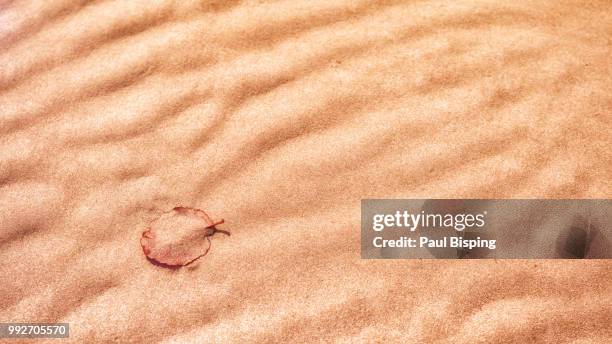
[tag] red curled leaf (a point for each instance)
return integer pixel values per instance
(179, 237)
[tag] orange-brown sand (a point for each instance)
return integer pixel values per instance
(280, 116)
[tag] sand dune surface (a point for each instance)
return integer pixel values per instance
(279, 117)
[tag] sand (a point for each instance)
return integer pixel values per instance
(279, 117)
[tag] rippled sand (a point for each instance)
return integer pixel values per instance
(280, 117)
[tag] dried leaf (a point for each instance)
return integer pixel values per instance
(179, 237)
